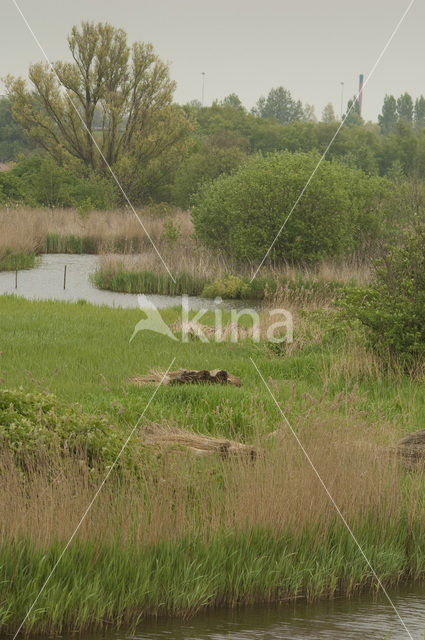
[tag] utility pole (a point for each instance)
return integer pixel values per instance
(203, 86)
(342, 98)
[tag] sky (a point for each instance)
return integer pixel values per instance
(243, 46)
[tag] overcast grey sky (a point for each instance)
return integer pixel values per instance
(246, 47)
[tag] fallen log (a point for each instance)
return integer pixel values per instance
(187, 376)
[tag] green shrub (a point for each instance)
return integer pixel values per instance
(242, 213)
(34, 423)
(37, 180)
(171, 231)
(228, 287)
(393, 308)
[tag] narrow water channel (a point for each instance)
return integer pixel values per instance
(361, 618)
(46, 281)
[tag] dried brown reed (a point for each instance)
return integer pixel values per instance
(179, 494)
(185, 256)
(23, 227)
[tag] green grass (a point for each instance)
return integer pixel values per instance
(82, 354)
(11, 260)
(111, 585)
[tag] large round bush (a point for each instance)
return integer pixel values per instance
(241, 214)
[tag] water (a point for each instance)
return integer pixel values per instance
(45, 282)
(362, 618)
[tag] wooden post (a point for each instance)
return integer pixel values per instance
(64, 277)
(16, 279)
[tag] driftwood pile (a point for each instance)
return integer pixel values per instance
(166, 437)
(187, 376)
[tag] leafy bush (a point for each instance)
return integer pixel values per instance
(243, 213)
(393, 309)
(38, 181)
(228, 287)
(34, 423)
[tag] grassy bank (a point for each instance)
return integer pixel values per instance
(197, 272)
(173, 534)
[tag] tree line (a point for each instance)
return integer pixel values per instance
(114, 102)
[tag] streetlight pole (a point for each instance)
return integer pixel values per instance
(342, 97)
(203, 86)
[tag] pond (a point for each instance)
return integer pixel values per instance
(46, 281)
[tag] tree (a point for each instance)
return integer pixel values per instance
(309, 114)
(388, 119)
(206, 164)
(232, 100)
(419, 113)
(405, 107)
(147, 172)
(12, 136)
(328, 113)
(352, 118)
(130, 86)
(280, 105)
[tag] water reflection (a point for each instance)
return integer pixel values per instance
(357, 619)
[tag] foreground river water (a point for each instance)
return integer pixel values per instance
(45, 282)
(361, 618)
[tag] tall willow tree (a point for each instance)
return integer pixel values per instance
(122, 94)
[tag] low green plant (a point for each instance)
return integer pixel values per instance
(37, 422)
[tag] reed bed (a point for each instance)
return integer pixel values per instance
(173, 534)
(190, 264)
(196, 533)
(199, 271)
(66, 231)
